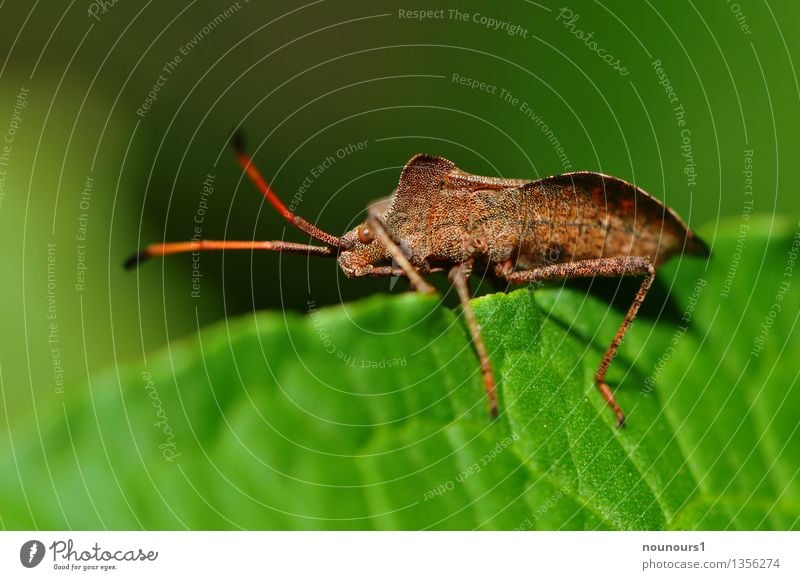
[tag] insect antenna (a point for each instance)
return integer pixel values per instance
(334, 244)
(158, 250)
(258, 180)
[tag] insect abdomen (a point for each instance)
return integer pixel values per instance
(585, 215)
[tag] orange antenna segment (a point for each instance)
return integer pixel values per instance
(258, 180)
(155, 250)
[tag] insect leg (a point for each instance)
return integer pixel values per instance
(155, 250)
(389, 271)
(376, 223)
(604, 267)
(459, 277)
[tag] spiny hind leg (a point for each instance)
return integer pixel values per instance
(602, 267)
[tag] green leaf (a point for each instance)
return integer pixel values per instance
(372, 415)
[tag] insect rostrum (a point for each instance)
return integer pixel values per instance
(441, 219)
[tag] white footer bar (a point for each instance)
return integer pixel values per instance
(400, 555)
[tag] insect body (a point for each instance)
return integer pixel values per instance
(441, 219)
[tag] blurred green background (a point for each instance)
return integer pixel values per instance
(304, 81)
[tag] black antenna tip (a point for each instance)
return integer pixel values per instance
(135, 260)
(237, 141)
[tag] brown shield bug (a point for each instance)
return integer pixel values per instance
(441, 219)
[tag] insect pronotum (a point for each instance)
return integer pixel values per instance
(575, 225)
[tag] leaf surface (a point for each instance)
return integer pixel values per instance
(372, 415)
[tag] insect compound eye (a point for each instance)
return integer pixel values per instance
(366, 234)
